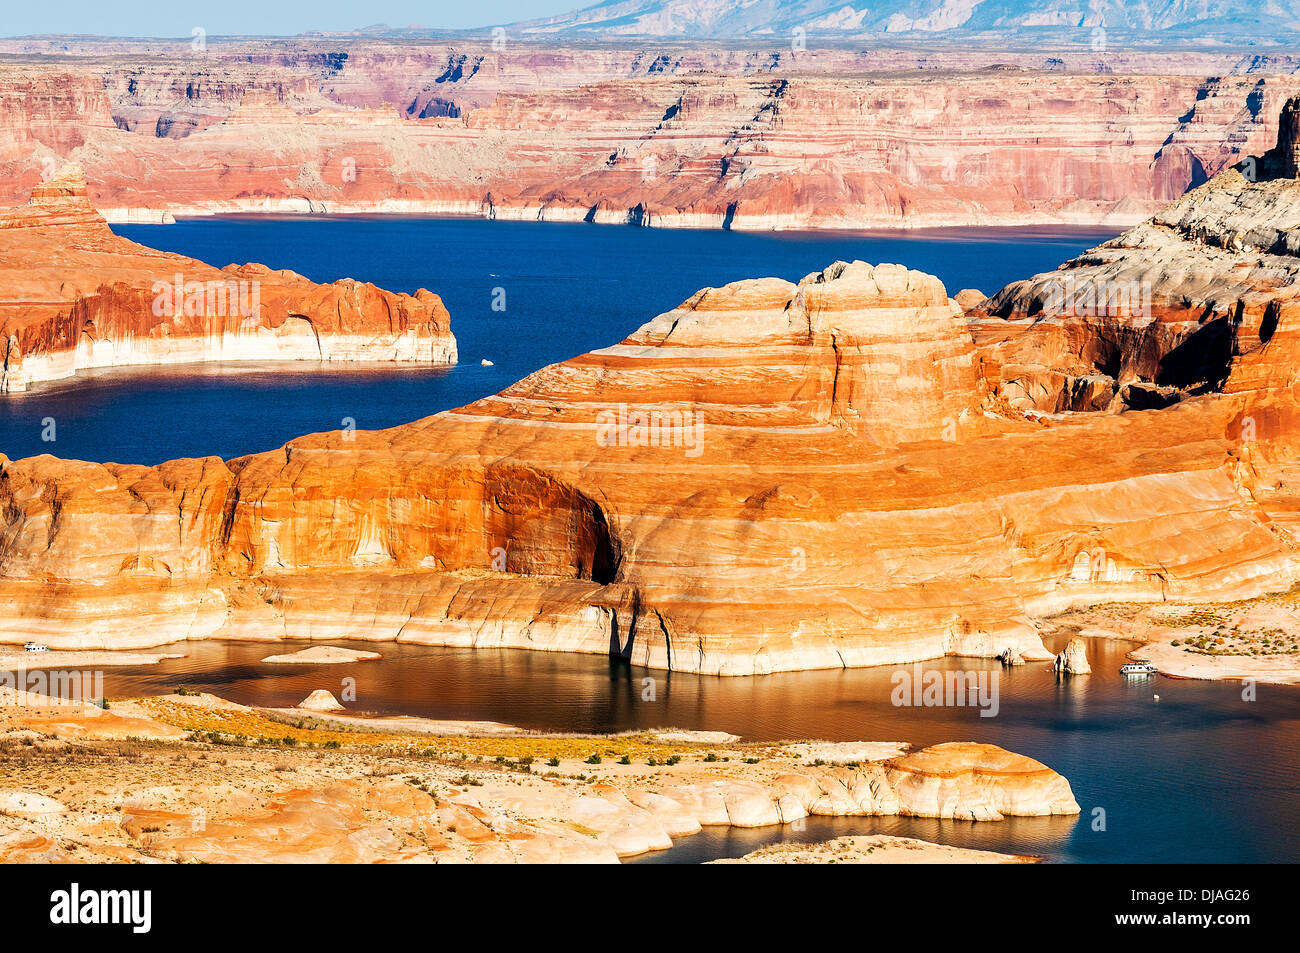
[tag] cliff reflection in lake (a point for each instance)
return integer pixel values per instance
(1200, 775)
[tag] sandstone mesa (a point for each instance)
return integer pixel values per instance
(764, 479)
(812, 442)
(76, 296)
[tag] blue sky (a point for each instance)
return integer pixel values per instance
(170, 18)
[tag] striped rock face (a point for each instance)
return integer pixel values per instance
(877, 352)
(1202, 297)
(707, 135)
(74, 296)
(772, 476)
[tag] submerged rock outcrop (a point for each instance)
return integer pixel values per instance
(74, 296)
(1073, 659)
(321, 699)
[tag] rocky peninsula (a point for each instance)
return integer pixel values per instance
(194, 778)
(75, 296)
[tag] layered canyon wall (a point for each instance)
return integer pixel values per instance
(680, 136)
(848, 470)
(75, 296)
(773, 476)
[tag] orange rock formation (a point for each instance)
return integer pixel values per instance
(844, 471)
(77, 296)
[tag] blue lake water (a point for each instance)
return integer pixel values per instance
(1200, 775)
(567, 289)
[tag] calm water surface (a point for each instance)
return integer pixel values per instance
(1200, 775)
(567, 289)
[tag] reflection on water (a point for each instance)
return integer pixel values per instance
(1046, 837)
(1200, 775)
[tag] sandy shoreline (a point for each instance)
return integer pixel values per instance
(434, 209)
(1179, 639)
(1180, 662)
(193, 777)
(1251, 639)
(79, 659)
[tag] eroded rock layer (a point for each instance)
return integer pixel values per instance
(76, 296)
(1202, 297)
(845, 471)
(404, 789)
(691, 137)
(772, 476)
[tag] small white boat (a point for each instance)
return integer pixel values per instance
(35, 647)
(1138, 668)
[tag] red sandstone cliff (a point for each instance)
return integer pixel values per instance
(77, 296)
(773, 476)
(701, 137)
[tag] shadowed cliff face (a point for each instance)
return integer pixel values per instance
(428, 517)
(73, 295)
(1202, 297)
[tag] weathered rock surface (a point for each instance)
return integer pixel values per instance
(321, 655)
(1073, 660)
(1200, 297)
(977, 782)
(286, 804)
(73, 296)
(26, 803)
(873, 849)
(766, 478)
(320, 700)
(370, 819)
(695, 137)
(772, 476)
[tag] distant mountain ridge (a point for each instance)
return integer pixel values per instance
(689, 19)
